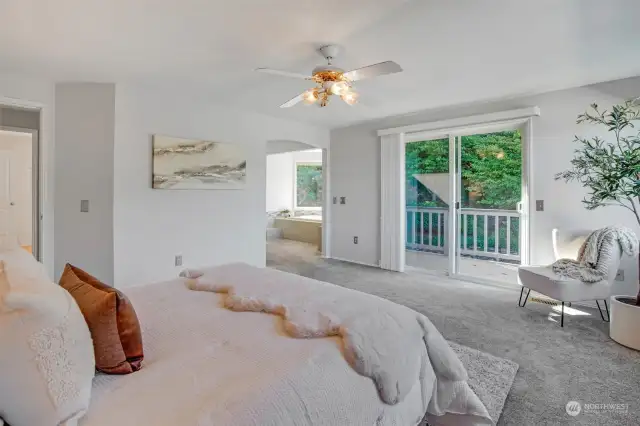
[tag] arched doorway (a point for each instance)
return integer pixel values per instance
(296, 194)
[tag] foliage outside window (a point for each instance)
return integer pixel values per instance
(308, 185)
(491, 166)
(491, 169)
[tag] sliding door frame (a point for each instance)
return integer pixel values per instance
(454, 134)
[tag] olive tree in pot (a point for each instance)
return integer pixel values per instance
(610, 170)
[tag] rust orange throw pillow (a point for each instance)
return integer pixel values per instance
(112, 321)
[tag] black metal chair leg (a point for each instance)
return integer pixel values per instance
(600, 310)
(562, 316)
(520, 303)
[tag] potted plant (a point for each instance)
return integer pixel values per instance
(611, 173)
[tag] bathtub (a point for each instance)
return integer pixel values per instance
(307, 229)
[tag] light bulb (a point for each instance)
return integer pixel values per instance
(350, 97)
(310, 96)
(339, 88)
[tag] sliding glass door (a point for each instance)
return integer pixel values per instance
(464, 204)
(427, 204)
(488, 200)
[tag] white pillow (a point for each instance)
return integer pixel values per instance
(46, 362)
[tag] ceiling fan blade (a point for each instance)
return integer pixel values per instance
(388, 67)
(283, 73)
(293, 101)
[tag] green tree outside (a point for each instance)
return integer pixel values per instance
(491, 167)
(309, 185)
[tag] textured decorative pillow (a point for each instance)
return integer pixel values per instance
(46, 361)
(113, 322)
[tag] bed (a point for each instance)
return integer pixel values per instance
(206, 365)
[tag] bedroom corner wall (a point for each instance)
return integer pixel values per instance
(85, 122)
(357, 148)
(206, 227)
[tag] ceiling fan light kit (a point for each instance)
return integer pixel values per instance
(331, 80)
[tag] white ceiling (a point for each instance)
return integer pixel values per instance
(455, 51)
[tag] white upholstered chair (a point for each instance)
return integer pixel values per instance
(542, 279)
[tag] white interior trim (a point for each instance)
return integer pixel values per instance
(43, 196)
(35, 188)
(447, 126)
(326, 205)
(352, 261)
(454, 198)
(528, 203)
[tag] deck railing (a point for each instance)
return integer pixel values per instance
(483, 233)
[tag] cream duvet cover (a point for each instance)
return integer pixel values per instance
(206, 365)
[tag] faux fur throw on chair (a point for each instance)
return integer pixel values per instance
(595, 254)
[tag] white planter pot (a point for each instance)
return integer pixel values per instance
(625, 323)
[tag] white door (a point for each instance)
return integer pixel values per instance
(7, 223)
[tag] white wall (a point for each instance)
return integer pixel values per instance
(85, 114)
(281, 146)
(205, 227)
(37, 93)
(281, 177)
(20, 144)
(279, 182)
(355, 172)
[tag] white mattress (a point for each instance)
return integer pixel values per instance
(204, 365)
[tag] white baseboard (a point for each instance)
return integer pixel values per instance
(351, 261)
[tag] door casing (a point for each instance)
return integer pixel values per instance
(35, 189)
(525, 127)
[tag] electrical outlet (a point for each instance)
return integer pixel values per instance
(620, 275)
(355, 240)
(178, 261)
(84, 206)
(343, 200)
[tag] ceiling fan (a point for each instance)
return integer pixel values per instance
(331, 80)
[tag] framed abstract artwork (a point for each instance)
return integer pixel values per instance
(180, 163)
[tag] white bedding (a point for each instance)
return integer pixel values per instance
(206, 365)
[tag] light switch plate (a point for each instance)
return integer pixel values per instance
(343, 200)
(84, 206)
(539, 205)
(335, 200)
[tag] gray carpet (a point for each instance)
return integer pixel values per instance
(490, 377)
(576, 363)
